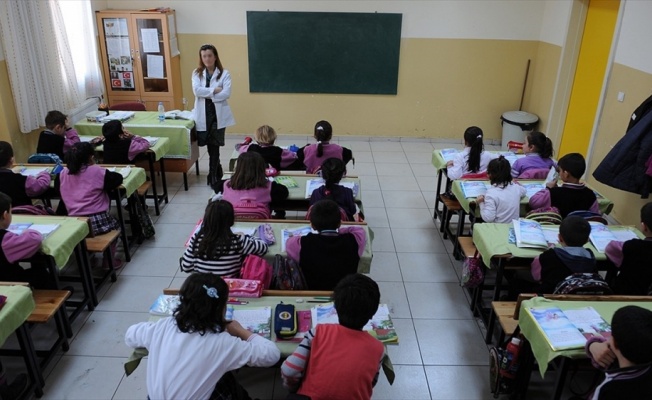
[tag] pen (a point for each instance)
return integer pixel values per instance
(237, 302)
(317, 301)
(321, 298)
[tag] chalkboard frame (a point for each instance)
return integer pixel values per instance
(295, 52)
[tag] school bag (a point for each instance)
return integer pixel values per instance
(472, 272)
(545, 215)
(256, 268)
(247, 208)
(145, 221)
(44, 158)
(583, 283)
(287, 275)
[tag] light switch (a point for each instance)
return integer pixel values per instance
(621, 96)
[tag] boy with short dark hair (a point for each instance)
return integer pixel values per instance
(330, 254)
(339, 361)
(633, 259)
(18, 187)
(14, 248)
(572, 195)
(554, 265)
(631, 335)
(59, 137)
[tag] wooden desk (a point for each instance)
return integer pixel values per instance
(492, 242)
(155, 153)
(541, 349)
(183, 152)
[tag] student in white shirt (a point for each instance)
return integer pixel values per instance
(502, 202)
(473, 159)
(191, 353)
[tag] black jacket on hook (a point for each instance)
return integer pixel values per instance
(624, 166)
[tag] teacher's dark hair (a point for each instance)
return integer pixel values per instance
(218, 64)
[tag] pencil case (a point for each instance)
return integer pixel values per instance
(285, 321)
(266, 233)
(244, 287)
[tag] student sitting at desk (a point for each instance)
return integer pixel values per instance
(632, 258)
(553, 265)
(19, 188)
(59, 137)
(192, 354)
(215, 249)
(120, 145)
(277, 157)
(313, 155)
(629, 345)
(502, 202)
(572, 195)
(249, 190)
(538, 150)
(339, 361)
(333, 170)
(330, 254)
(14, 248)
(473, 159)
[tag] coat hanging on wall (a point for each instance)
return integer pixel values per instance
(625, 166)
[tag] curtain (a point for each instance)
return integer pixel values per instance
(42, 69)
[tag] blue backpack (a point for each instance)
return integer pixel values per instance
(44, 158)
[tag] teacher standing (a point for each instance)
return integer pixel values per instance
(211, 84)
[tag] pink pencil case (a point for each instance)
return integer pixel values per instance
(244, 287)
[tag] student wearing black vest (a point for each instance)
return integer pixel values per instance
(632, 258)
(120, 145)
(327, 256)
(277, 157)
(59, 137)
(572, 195)
(18, 187)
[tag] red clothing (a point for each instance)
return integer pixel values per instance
(343, 363)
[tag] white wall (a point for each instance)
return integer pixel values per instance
(467, 19)
(633, 46)
(556, 15)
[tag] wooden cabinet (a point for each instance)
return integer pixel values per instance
(140, 57)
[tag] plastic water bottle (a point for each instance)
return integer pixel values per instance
(509, 363)
(161, 112)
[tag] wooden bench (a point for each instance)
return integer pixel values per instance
(102, 244)
(449, 207)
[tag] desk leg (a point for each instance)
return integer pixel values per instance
(152, 175)
(185, 181)
(29, 355)
(86, 275)
(492, 315)
(460, 230)
(561, 377)
(437, 199)
(164, 180)
(123, 233)
(196, 167)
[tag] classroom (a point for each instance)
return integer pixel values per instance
(579, 65)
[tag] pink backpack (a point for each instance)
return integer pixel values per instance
(247, 208)
(256, 268)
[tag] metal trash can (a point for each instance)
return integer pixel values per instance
(516, 125)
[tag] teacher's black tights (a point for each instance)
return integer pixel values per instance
(214, 167)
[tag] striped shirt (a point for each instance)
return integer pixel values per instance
(227, 265)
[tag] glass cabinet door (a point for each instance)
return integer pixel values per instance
(119, 54)
(152, 52)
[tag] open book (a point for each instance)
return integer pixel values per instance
(601, 235)
(448, 154)
(529, 234)
(44, 229)
(287, 181)
(474, 188)
(569, 329)
(151, 140)
(256, 320)
(33, 171)
(532, 188)
(19, 227)
(178, 114)
(379, 326)
(288, 233)
(119, 116)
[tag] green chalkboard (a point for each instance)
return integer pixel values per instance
(320, 52)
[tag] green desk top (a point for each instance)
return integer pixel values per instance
(439, 163)
(18, 307)
(145, 123)
(540, 347)
(364, 266)
(605, 204)
(492, 240)
(60, 243)
(160, 148)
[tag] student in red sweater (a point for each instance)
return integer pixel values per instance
(339, 361)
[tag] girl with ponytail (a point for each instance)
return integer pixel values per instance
(473, 159)
(314, 155)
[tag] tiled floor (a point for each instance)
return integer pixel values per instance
(441, 354)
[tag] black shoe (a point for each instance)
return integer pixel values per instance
(15, 389)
